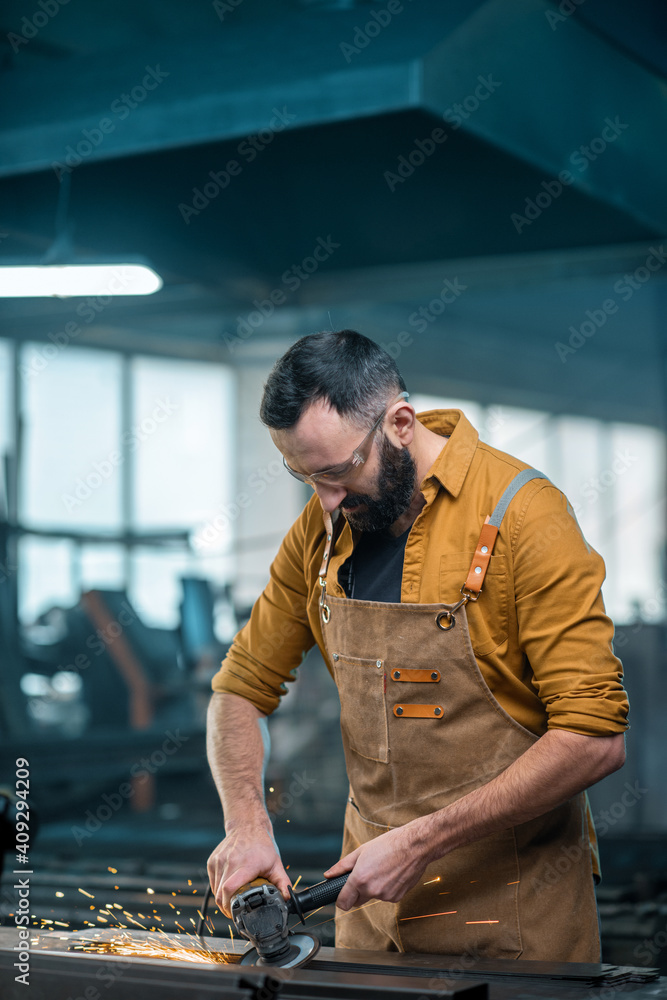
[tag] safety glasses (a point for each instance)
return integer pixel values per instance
(360, 455)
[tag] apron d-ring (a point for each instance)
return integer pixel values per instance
(447, 619)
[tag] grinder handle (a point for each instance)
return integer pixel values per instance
(318, 895)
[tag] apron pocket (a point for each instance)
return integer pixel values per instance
(363, 716)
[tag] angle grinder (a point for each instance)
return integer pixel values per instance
(260, 914)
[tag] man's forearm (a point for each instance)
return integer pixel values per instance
(557, 767)
(237, 747)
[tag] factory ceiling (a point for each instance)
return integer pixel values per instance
(475, 184)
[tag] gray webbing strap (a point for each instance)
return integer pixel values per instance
(520, 480)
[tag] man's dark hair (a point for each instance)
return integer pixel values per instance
(352, 373)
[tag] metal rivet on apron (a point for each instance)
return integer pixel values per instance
(435, 676)
(399, 710)
(335, 656)
(485, 548)
(326, 554)
(478, 569)
(445, 620)
(437, 711)
(328, 538)
(396, 675)
(378, 663)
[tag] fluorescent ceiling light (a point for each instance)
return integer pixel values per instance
(65, 281)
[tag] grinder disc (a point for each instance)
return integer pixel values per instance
(303, 947)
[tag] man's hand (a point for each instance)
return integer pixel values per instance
(384, 868)
(245, 854)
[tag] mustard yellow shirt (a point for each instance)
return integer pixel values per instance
(539, 630)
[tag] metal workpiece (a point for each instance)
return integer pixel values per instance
(58, 972)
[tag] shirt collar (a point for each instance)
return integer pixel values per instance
(451, 466)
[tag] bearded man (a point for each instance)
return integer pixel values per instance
(458, 608)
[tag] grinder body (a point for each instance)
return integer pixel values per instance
(260, 914)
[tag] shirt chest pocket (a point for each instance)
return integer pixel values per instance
(488, 617)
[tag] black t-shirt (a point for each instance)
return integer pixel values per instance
(375, 569)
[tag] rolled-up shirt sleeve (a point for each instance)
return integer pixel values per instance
(563, 628)
(266, 652)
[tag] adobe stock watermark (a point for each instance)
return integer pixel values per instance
(363, 35)
(455, 118)
(624, 288)
(88, 311)
(647, 952)
(141, 771)
(256, 484)
(120, 109)
(105, 975)
(594, 487)
(285, 800)
(247, 150)
(580, 159)
(571, 854)
(291, 281)
(422, 318)
(225, 7)
(32, 25)
(103, 470)
(607, 818)
(566, 9)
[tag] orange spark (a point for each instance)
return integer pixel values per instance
(514, 883)
(89, 894)
(482, 921)
(436, 879)
(123, 945)
(114, 871)
(421, 916)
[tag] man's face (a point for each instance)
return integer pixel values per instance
(376, 493)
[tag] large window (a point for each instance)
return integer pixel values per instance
(124, 461)
(612, 474)
(72, 459)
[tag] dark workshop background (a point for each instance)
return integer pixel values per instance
(480, 187)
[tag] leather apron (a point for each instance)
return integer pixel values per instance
(421, 728)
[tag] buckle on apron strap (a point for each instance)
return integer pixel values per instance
(446, 619)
